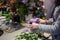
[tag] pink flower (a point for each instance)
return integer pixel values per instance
(41, 3)
(42, 10)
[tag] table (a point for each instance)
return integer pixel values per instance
(11, 36)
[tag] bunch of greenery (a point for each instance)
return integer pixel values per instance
(28, 36)
(8, 17)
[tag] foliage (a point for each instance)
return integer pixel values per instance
(8, 18)
(28, 36)
(22, 9)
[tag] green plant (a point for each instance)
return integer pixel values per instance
(8, 18)
(22, 9)
(28, 36)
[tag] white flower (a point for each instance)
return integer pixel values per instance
(43, 6)
(10, 21)
(22, 34)
(38, 8)
(27, 32)
(39, 39)
(23, 39)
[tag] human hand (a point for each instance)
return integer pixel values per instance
(42, 21)
(33, 26)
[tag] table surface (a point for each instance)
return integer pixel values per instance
(11, 36)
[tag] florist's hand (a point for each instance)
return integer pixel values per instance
(33, 26)
(42, 21)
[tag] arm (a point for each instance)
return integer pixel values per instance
(50, 21)
(53, 29)
(55, 14)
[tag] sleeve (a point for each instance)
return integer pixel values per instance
(55, 15)
(53, 29)
(50, 21)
